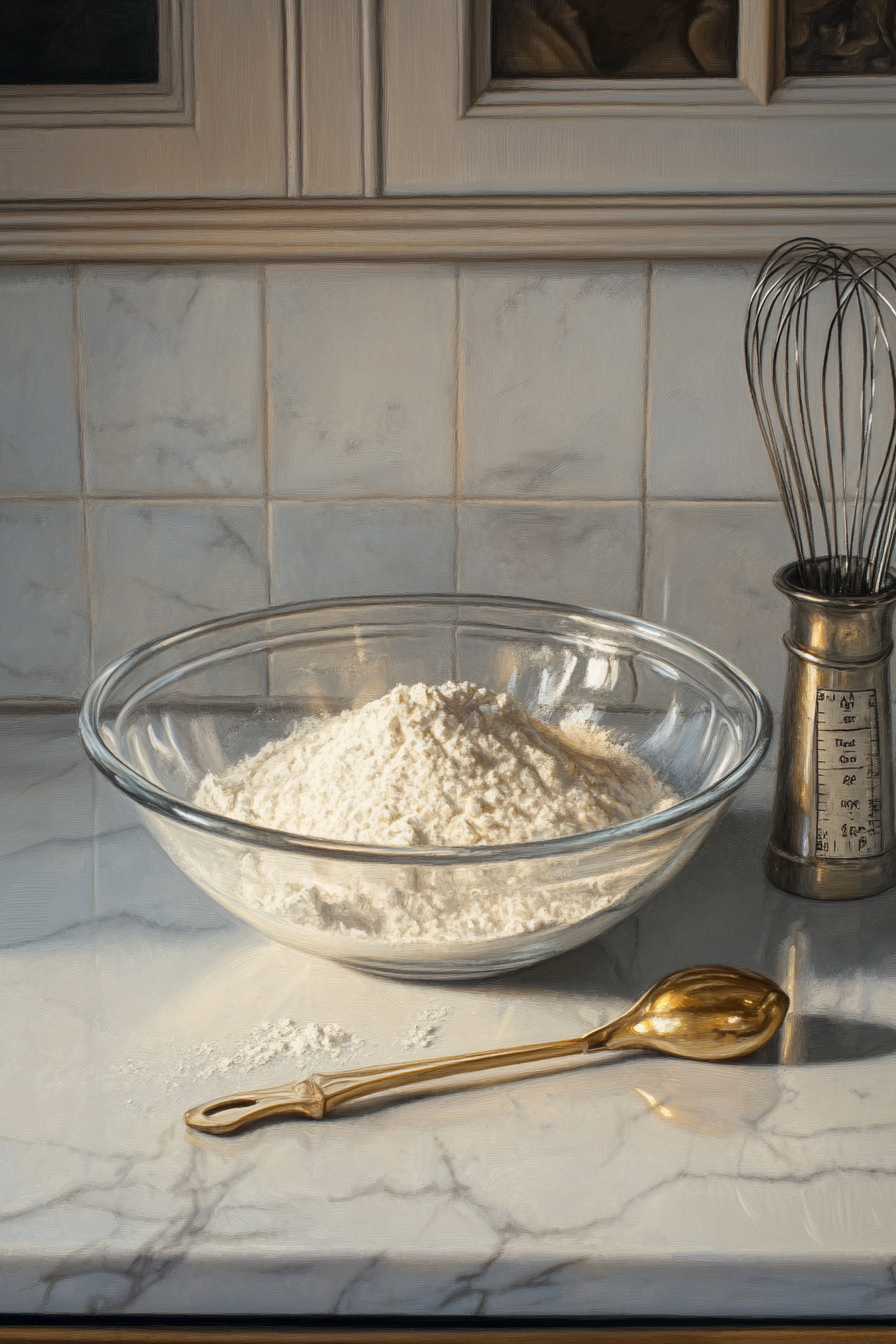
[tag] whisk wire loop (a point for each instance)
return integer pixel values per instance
(819, 351)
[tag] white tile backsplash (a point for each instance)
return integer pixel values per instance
(38, 415)
(586, 554)
(344, 470)
(704, 439)
(351, 550)
(362, 380)
(43, 599)
(709, 574)
(156, 568)
(553, 368)
(171, 373)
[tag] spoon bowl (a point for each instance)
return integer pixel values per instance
(707, 1012)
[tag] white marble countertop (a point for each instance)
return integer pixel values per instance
(614, 1187)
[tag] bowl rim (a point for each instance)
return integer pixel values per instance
(143, 792)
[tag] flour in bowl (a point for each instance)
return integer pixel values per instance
(438, 765)
(449, 765)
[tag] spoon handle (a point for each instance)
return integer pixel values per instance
(705, 1012)
(316, 1097)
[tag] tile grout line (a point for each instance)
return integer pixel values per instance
(648, 359)
(78, 354)
(77, 338)
(311, 501)
(265, 427)
(458, 426)
(38, 704)
(265, 414)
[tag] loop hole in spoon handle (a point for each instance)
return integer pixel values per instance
(226, 1115)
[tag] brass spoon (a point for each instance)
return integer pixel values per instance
(707, 1012)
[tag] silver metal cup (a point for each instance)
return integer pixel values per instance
(832, 834)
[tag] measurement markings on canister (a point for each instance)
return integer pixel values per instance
(848, 774)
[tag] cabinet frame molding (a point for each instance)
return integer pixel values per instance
(437, 229)
(483, 96)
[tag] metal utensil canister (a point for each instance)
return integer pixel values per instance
(832, 833)
(820, 351)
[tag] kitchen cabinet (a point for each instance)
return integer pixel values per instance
(369, 129)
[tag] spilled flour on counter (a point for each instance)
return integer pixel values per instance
(449, 765)
(295, 1051)
(308, 1048)
(272, 1040)
(425, 1029)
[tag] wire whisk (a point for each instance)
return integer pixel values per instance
(819, 348)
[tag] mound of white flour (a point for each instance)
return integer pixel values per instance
(449, 765)
(438, 765)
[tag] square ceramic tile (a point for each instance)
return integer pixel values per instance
(709, 575)
(349, 550)
(553, 380)
(704, 439)
(156, 568)
(363, 380)
(46, 827)
(586, 554)
(43, 600)
(171, 371)
(38, 417)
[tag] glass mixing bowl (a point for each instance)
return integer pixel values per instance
(160, 718)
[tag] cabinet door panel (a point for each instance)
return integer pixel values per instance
(214, 126)
(449, 129)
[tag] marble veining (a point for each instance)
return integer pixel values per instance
(708, 573)
(395, 548)
(43, 599)
(160, 567)
(171, 374)
(362, 380)
(627, 1185)
(553, 366)
(580, 553)
(704, 440)
(38, 416)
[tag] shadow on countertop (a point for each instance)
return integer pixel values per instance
(722, 909)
